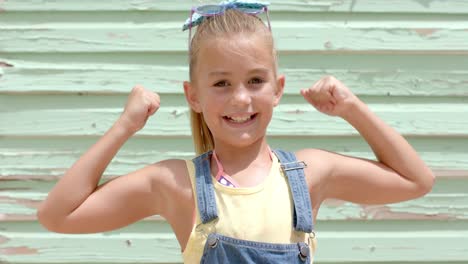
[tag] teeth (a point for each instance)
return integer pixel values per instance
(240, 119)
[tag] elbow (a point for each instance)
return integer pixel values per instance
(47, 221)
(426, 184)
(44, 220)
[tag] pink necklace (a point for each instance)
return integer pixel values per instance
(222, 177)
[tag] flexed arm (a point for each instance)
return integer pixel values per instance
(399, 174)
(77, 189)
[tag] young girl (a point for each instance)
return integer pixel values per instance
(239, 201)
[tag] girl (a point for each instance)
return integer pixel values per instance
(238, 201)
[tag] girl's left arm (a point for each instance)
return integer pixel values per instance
(398, 174)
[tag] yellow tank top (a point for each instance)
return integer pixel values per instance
(262, 213)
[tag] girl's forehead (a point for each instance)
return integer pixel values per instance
(234, 52)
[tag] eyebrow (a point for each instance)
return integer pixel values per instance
(224, 73)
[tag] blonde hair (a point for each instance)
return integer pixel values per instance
(229, 24)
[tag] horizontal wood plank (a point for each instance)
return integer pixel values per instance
(331, 61)
(45, 156)
(290, 36)
(78, 100)
(156, 248)
(402, 6)
(291, 119)
(447, 202)
(328, 233)
(111, 78)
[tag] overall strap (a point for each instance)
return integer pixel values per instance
(294, 170)
(204, 188)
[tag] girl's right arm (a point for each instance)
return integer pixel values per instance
(77, 204)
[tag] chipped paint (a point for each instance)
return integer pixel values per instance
(29, 203)
(18, 251)
(425, 32)
(17, 217)
(383, 212)
(4, 64)
(3, 239)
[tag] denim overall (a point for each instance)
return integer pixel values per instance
(223, 249)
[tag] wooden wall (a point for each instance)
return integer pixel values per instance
(66, 68)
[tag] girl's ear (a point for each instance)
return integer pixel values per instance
(191, 97)
(279, 89)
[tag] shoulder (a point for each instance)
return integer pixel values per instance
(177, 172)
(316, 159)
(171, 173)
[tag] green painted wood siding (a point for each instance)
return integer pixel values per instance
(66, 68)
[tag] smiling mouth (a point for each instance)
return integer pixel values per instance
(240, 120)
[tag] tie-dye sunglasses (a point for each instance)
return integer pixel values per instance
(199, 13)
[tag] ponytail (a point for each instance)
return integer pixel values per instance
(201, 134)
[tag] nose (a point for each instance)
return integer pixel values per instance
(241, 96)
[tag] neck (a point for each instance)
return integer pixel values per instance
(235, 158)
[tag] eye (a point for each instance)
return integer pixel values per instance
(256, 80)
(222, 83)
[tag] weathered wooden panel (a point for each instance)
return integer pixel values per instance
(291, 36)
(449, 201)
(329, 61)
(45, 156)
(357, 246)
(85, 100)
(400, 6)
(300, 119)
(24, 76)
(407, 59)
(335, 236)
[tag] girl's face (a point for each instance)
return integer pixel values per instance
(235, 88)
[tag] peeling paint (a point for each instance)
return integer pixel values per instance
(17, 217)
(352, 5)
(18, 251)
(117, 36)
(175, 113)
(297, 111)
(424, 32)
(38, 177)
(328, 45)
(425, 3)
(33, 204)
(451, 173)
(13, 189)
(334, 202)
(3, 239)
(4, 64)
(384, 212)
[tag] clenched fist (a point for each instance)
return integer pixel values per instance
(141, 104)
(330, 96)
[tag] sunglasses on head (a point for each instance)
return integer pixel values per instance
(199, 13)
